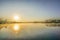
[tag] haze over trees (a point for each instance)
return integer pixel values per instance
(3, 21)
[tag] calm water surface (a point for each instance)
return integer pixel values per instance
(29, 31)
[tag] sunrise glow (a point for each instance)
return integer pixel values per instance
(16, 18)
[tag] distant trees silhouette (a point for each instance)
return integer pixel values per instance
(53, 21)
(3, 21)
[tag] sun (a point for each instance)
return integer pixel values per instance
(16, 18)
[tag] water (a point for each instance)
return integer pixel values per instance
(30, 31)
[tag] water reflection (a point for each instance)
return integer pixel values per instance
(25, 31)
(12, 27)
(53, 24)
(16, 28)
(3, 26)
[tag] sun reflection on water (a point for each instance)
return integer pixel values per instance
(16, 27)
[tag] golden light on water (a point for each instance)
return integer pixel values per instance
(16, 27)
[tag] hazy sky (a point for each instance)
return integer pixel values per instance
(30, 10)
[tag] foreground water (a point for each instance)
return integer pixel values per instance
(30, 31)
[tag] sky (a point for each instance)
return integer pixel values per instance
(30, 10)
